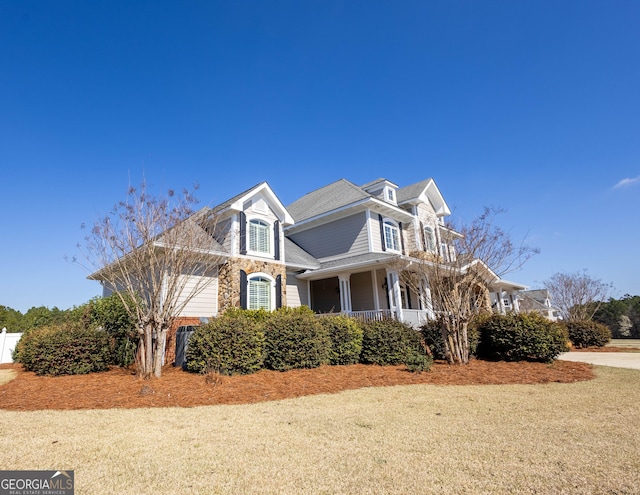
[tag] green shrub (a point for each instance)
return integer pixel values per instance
(295, 339)
(109, 313)
(521, 337)
(418, 362)
(587, 333)
(232, 344)
(346, 339)
(431, 333)
(68, 349)
(388, 342)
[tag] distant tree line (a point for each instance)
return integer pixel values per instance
(14, 321)
(107, 313)
(622, 316)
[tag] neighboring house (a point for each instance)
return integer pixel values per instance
(540, 302)
(334, 250)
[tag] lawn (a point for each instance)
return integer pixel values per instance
(554, 438)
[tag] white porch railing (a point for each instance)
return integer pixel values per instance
(373, 314)
(413, 317)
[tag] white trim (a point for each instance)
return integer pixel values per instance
(272, 287)
(269, 227)
(377, 202)
(395, 225)
(369, 231)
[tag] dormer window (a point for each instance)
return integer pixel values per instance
(259, 236)
(390, 195)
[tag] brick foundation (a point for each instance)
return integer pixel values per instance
(170, 347)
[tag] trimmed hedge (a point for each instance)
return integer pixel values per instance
(295, 339)
(390, 342)
(232, 344)
(346, 339)
(431, 333)
(521, 337)
(587, 333)
(67, 349)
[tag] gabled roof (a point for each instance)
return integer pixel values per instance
(423, 192)
(330, 197)
(237, 202)
(361, 262)
(296, 257)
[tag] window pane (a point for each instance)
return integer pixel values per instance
(260, 294)
(259, 236)
(391, 239)
(430, 240)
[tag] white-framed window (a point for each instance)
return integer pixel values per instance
(444, 252)
(260, 290)
(391, 195)
(259, 236)
(429, 240)
(391, 236)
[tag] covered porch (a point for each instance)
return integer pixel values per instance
(369, 292)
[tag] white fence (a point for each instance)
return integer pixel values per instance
(8, 343)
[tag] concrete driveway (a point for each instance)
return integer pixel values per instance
(615, 359)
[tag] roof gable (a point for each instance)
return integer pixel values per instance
(264, 190)
(425, 191)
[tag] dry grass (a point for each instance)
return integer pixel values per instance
(577, 438)
(6, 376)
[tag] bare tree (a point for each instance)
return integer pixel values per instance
(157, 254)
(478, 254)
(577, 295)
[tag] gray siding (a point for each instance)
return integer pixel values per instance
(345, 236)
(362, 291)
(297, 293)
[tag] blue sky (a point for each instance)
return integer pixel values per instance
(529, 106)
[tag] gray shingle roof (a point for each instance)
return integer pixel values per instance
(335, 195)
(412, 191)
(295, 256)
(361, 258)
(230, 201)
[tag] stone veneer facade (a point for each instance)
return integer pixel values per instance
(229, 279)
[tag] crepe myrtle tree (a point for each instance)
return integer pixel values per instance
(458, 283)
(577, 295)
(157, 253)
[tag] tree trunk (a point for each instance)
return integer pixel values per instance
(159, 352)
(456, 342)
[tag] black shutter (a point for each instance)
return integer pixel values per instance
(384, 247)
(401, 236)
(278, 291)
(243, 289)
(276, 240)
(424, 239)
(243, 233)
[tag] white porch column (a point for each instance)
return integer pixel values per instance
(345, 293)
(513, 297)
(501, 308)
(395, 296)
(425, 299)
(374, 284)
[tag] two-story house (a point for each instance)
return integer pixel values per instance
(334, 249)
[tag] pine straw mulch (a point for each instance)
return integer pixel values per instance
(606, 349)
(120, 388)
